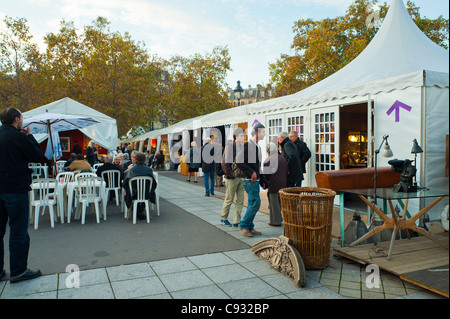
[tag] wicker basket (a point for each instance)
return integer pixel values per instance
(308, 217)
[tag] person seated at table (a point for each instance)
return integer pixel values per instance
(133, 160)
(118, 160)
(80, 164)
(139, 169)
(125, 161)
(73, 157)
(109, 165)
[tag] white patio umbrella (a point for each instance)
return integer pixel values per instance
(55, 122)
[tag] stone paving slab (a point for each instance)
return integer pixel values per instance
(232, 274)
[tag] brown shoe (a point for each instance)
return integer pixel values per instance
(254, 232)
(246, 232)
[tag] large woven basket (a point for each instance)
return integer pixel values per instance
(307, 214)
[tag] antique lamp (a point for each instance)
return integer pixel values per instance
(416, 149)
(385, 153)
(407, 171)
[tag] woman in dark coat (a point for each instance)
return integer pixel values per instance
(275, 170)
(194, 162)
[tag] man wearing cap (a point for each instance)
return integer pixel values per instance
(249, 162)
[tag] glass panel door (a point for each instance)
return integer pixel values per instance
(275, 127)
(296, 123)
(326, 139)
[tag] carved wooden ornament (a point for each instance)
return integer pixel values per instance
(282, 256)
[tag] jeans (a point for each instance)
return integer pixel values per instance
(254, 202)
(208, 178)
(15, 207)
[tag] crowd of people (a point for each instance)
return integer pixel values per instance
(238, 165)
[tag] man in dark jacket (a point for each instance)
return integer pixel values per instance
(139, 169)
(303, 151)
(108, 165)
(289, 152)
(18, 147)
(275, 170)
(249, 162)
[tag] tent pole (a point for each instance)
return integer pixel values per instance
(53, 148)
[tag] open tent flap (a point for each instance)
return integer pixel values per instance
(103, 134)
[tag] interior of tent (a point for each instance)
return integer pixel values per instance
(104, 133)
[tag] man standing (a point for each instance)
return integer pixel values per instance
(208, 166)
(77, 148)
(233, 185)
(249, 162)
(303, 151)
(289, 152)
(18, 147)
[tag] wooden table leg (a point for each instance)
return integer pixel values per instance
(424, 232)
(391, 246)
(388, 222)
(374, 231)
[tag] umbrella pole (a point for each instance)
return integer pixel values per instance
(53, 148)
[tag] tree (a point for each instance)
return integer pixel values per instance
(20, 64)
(323, 47)
(109, 72)
(198, 84)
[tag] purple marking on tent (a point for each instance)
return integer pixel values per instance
(256, 122)
(396, 106)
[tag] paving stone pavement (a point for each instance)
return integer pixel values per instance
(236, 274)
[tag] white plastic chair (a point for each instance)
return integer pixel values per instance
(44, 198)
(65, 177)
(79, 175)
(60, 166)
(112, 179)
(36, 167)
(141, 191)
(89, 191)
(96, 166)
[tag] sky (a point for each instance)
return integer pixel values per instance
(256, 32)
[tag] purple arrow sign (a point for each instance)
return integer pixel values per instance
(396, 106)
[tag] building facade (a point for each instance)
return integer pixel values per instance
(251, 95)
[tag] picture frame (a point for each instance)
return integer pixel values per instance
(65, 143)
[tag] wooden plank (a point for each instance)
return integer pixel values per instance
(434, 279)
(411, 263)
(411, 260)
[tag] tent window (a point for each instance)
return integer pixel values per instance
(275, 127)
(325, 141)
(296, 123)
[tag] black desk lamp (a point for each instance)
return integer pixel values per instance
(415, 150)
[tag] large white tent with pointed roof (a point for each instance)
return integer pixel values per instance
(104, 133)
(400, 64)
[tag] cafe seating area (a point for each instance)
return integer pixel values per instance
(77, 193)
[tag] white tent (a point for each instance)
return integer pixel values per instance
(104, 133)
(399, 64)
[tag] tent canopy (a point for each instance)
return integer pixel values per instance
(103, 133)
(400, 52)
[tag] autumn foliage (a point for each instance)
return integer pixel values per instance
(110, 73)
